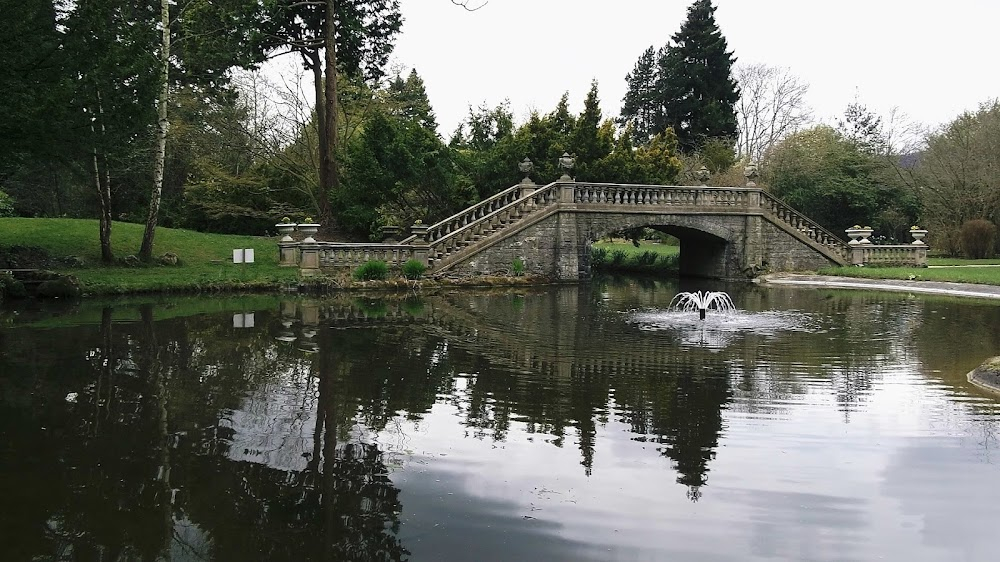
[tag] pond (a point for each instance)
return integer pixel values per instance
(566, 423)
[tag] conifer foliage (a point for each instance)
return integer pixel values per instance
(689, 87)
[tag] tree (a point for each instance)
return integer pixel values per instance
(408, 100)
(357, 41)
(162, 126)
(691, 89)
(828, 178)
(109, 46)
(863, 127)
(587, 140)
(639, 106)
(958, 174)
(397, 170)
(771, 106)
(695, 80)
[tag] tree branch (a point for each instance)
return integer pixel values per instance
(465, 4)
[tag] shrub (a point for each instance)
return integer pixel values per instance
(518, 267)
(372, 270)
(647, 258)
(11, 288)
(6, 205)
(63, 287)
(413, 269)
(598, 256)
(618, 257)
(978, 237)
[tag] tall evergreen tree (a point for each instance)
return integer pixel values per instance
(696, 82)
(693, 89)
(408, 100)
(586, 140)
(640, 107)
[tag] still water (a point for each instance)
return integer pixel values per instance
(568, 423)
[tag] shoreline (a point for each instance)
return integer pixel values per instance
(971, 290)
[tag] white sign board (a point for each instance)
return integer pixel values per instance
(243, 255)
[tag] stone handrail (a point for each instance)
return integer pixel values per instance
(335, 254)
(468, 216)
(889, 255)
(494, 221)
(782, 211)
(663, 195)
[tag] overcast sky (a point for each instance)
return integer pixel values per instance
(931, 59)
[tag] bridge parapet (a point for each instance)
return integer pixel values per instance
(474, 213)
(666, 196)
(531, 201)
(783, 212)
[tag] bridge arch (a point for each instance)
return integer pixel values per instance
(706, 248)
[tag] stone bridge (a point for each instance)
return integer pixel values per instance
(725, 232)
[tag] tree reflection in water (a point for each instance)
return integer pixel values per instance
(192, 438)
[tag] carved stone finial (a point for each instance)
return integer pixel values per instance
(566, 163)
(751, 173)
(702, 174)
(526, 166)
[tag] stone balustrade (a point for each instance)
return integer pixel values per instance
(889, 255)
(446, 241)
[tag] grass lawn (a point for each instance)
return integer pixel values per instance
(624, 257)
(980, 275)
(960, 262)
(629, 248)
(205, 259)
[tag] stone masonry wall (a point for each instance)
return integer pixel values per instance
(722, 246)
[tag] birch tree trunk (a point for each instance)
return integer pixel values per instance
(103, 183)
(146, 251)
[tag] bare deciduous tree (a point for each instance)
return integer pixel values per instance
(771, 106)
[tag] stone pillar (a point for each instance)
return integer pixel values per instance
(390, 234)
(857, 255)
(421, 247)
(287, 254)
(309, 259)
(566, 191)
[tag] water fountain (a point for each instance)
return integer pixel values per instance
(726, 324)
(702, 301)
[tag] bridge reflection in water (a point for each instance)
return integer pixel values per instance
(296, 439)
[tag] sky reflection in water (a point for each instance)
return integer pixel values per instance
(575, 423)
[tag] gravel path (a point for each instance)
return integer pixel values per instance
(925, 287)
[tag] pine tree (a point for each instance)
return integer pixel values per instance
(586, 140)
(408, 100)
(640, 107)
(691, 89)
(698, 91)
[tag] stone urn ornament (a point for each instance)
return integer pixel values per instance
(751, 173)
(566, 163)
(286, 227)
(859, 234)
(526, 166)
(702, 174)
(309, 228)
(918, 235)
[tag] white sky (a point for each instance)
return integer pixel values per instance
(931, 59)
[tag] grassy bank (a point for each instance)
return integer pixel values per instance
(945, 269)
(625, 257)
(205, 260)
